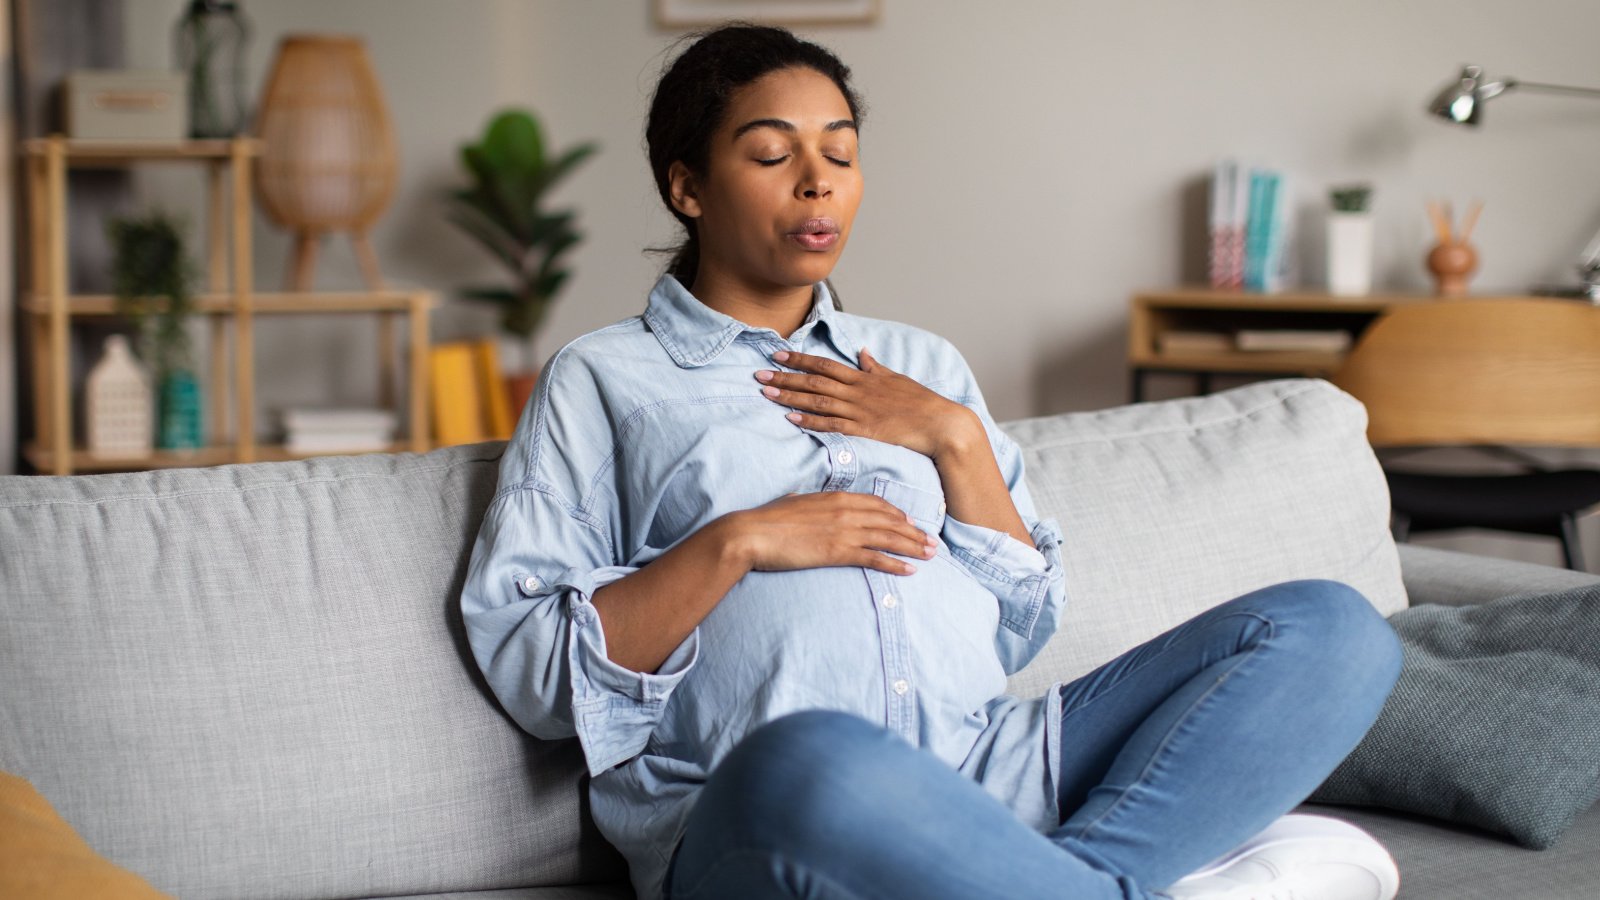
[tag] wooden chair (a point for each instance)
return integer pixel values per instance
(1498, 375)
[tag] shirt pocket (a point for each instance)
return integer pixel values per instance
(925, 507)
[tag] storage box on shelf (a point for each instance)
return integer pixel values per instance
(228, 301)
(1197, 312)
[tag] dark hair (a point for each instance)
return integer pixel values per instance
(691, 101)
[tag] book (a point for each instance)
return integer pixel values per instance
(1258, 224)
(457, 404)
(1316, 340)
(337, 441)
(1179, 341)
(1229, 211)
(498, 416)
(304, 419)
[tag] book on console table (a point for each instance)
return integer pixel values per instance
(1315, 340)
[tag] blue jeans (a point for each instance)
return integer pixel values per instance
(1172, 754)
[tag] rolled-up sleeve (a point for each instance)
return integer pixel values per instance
(1028, 581)
(534, 631)
(548, 541)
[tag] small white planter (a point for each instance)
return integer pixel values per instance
(1350, 253)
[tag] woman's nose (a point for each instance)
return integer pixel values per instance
(814, 184)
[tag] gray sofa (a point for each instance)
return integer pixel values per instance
(252, 681)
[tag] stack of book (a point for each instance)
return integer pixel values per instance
(470, 400)
(1250, 224)
(338, 430)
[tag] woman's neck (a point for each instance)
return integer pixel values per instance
(779, 307)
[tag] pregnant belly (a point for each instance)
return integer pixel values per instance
(781, 642)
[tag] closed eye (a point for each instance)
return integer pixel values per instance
(845, 163)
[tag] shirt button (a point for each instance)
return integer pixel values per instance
(900, 686)
(941, 509)
(889, 601)
(845, 456)
(531, 583)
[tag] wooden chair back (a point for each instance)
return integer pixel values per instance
(1522, 371)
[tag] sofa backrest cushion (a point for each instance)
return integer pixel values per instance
(1169, 508)
(252, 681)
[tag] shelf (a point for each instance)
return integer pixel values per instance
(1155, 312)
(84, 461)
(231, 306)
(213, 303)
(1267, 361)
(115, 153)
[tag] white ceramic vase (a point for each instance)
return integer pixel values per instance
(1349, 253)
(120, 404)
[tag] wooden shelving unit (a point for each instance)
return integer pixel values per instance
(1152, 313)
(229, 302)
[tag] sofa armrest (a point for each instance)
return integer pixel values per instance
(1453, 578)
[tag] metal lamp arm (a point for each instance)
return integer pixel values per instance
(1540, 86)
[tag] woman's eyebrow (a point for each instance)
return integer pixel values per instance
(783, 125)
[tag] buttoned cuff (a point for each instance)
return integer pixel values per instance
(1018, 575)
(614, 709)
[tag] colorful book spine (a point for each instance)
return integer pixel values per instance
(457, 403)
(1229, 198)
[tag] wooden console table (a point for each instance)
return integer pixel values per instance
(1154, 313)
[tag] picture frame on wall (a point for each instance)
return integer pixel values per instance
(695, 13)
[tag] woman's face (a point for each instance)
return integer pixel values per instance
(775, 207)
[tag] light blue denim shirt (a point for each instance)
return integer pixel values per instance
(641, 433)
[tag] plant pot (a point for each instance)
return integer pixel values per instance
(520, 386)
(178, 426)
(1349, 253)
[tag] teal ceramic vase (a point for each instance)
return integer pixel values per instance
(180, 412)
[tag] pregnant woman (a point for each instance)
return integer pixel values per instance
(772, 562)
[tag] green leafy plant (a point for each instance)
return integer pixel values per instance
(503, 210)
(151, 279)
(1351, 198)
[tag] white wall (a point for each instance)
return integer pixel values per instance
(1029, 163)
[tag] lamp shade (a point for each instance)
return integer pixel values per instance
(328, 159)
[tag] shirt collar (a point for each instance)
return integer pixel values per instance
(694, 334)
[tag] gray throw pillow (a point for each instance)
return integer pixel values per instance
(1495, 721)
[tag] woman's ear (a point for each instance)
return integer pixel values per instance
(681, 186)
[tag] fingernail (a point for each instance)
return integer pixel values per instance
(909, 568)
(764, 375)
(781, 355)
(909, 520)
(793, 417)
(770, 391)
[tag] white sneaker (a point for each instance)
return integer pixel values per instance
(1298, 857)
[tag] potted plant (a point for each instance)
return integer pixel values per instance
(151, 279)
(503, 209)
(1350, 240)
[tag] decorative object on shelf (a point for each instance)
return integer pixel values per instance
(1461, 102)
(329, 162)
(1350, 240)
(210, 44)
(503, 210)
(124, 105)
(683, 13)
(1452, 260)
(152, 280)
(118, 403)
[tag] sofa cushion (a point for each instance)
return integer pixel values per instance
(253, 681)
(1495, 721)
(1169, 508)
(42, 858)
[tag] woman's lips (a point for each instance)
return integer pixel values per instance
(818, 233)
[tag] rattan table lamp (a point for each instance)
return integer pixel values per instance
(328, 163)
